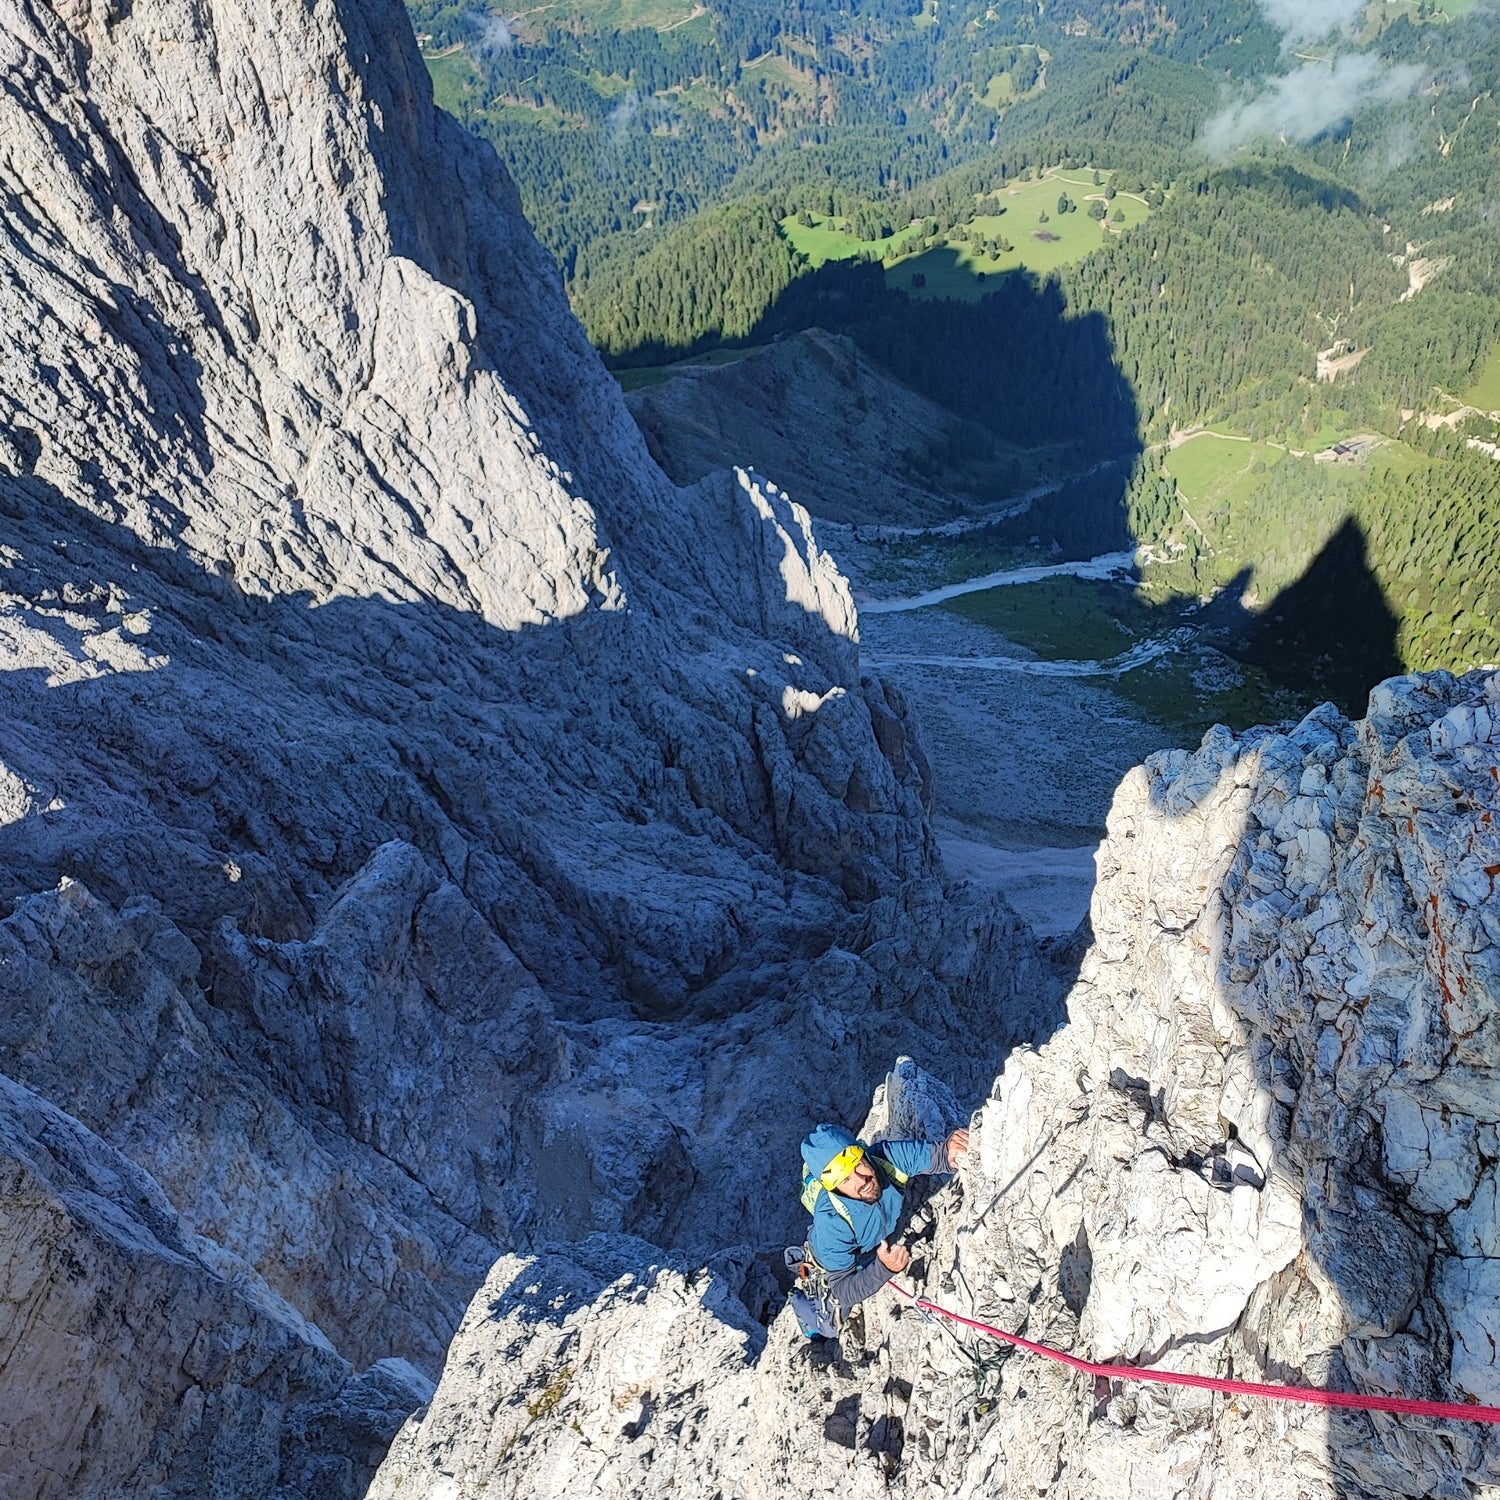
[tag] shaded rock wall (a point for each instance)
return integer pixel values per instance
(1262, 1146)
(226, 1389)
(900, 457)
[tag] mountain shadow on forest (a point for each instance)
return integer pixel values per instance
(1332, 632)
(1018, 361)
(1329, 636)
(1021, 368)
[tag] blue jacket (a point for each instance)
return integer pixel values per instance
(845, 1248)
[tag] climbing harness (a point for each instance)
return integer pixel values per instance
(1352, 1400)
(813, 1304)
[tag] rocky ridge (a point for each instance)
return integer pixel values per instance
(1263, 1145)
(830, 424)
(430, 830)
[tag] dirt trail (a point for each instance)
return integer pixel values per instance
(1109, 565)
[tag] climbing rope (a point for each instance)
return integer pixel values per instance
(982, 1366)
(1352, 1400)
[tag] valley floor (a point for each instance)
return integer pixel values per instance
(1026, 757)
(1037, 681)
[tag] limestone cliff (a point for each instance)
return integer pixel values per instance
(1263, 1144)
(430, 830)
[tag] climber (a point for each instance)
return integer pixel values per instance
(854, 1193)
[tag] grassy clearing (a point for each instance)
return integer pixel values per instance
(1189, 693)
(1001, 91)
(453, 75)
(938, 562)
(1397, 458)
(825, 240)
(1218, 480)
(1336, 427)
(1485, 392)
(698, 95)
(1217, 473)
(1380, 15)
(543, 115)
(1077, 619)
(959, 267)
(1063, 619)
(1039, 245)
(698, 27)
(608, 85)
(627, 15)
(778, 72)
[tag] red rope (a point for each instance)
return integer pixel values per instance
(1456, 1410)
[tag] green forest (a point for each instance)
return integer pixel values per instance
(1086, 233)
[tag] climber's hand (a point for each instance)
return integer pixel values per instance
(893, 1257)
(958, 1147)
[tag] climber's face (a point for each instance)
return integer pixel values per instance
(861, 1183)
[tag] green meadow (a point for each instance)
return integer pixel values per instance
(1001, 91)
(1381, 14)
(777, 72)
(1218, 474)
(627, 15)
(1485, 393)
(1023, 214)
(1077, 619)
(1221, 482)
(452, 74)
(825, 240)
(1081, 619)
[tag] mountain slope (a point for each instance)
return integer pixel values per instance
(468, 834)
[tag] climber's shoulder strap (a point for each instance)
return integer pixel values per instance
(890, 1169)
(813, 1189)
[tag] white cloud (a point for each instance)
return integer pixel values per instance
(1311, 20)
(619, 120)
(1308, 101)
(489, 33)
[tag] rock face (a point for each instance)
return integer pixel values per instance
(321, 512)
(1224, 1163)
(1263, 1145)
(430, 830)
(794, 406)
(226, 1389)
